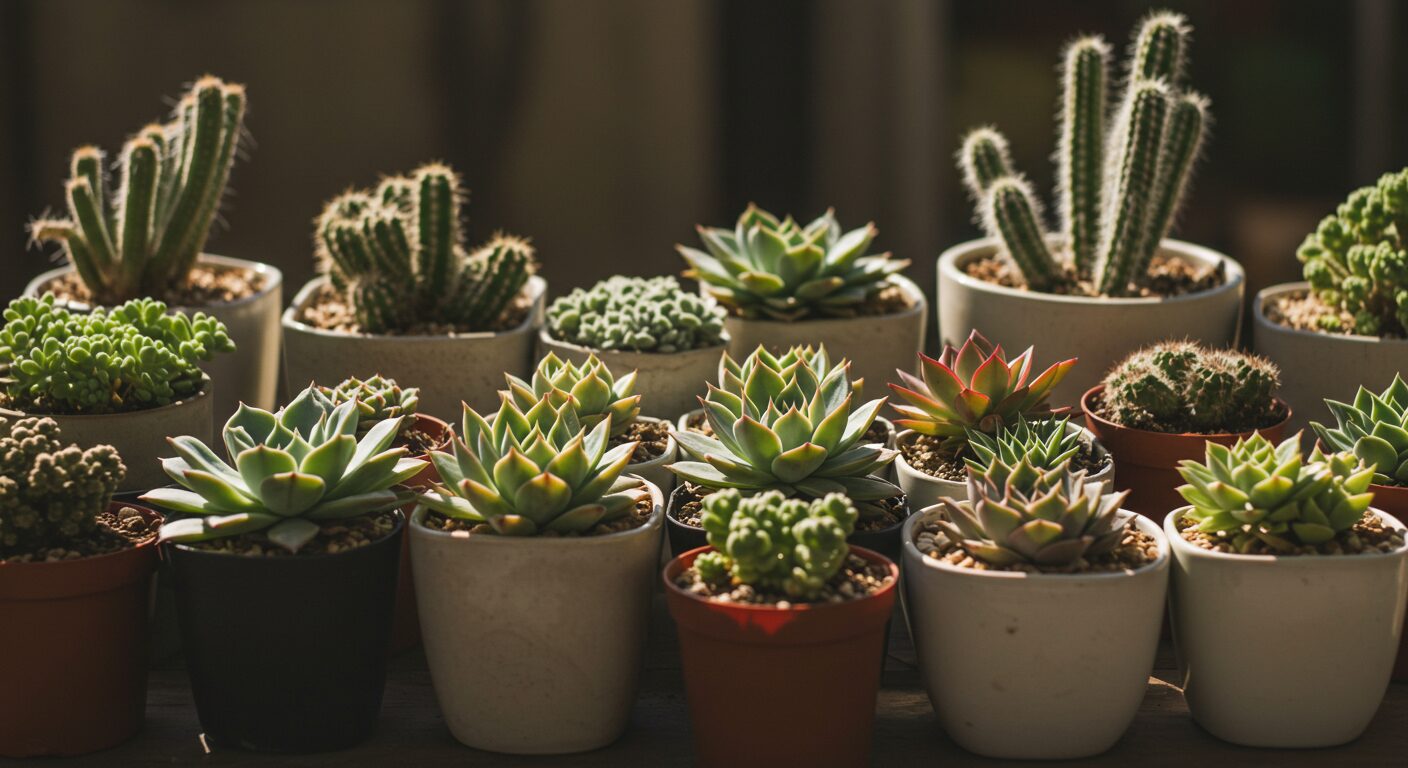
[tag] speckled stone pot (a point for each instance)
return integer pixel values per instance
(666, 383)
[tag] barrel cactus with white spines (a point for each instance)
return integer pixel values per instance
(637, 314)
(1182, 386)
(1375, 428)
(769, 541)
(594, 393)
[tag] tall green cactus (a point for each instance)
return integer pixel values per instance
(1127, 212)
(983, 159)
(1010, 210)
(1160, 48)
(1183, 139)
(144, 237)
(1079, 177)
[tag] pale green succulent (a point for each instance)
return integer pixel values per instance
(1046, 443)
(1374, 428)
(377, 398)
(773, 542)
(594, 392)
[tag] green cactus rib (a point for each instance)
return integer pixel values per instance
(88, 164)
(1126, 215)
(501, 270)
(1080, 156)
(1159, 48)
(83, 205)
(1183, 138)
(199, 170)
(213, 191)
(140, 167)
(984, 159)
(437, 229)
(1011, 213)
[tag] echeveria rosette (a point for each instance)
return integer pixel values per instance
(1374, 428)
(637, 314)
(780, 270)
(378, 399)
(293, 470)
(772, 542)
(51, 492)
(590, 387)
(974, 388)
(1046, 444)
(1256, 491)
(534, 471)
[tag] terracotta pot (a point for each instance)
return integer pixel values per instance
(770, 686)
(1244, 624)
(405, 621)
(1147, 462)
(1066, 326)
(667, 382)
(250, 374)
(448, 369)
(73, 651)
(1393, 499)
(1316, 366)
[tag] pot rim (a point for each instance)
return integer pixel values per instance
(1273, 291)
(1098, 448)
(972, 249)
(536, 288)
(680, 488)
(546, 337)
(919, 307)
(203, 393)
(147, 512)
(1090, 413)
(1184, 549)
(189, 551)
(416, 524)
(676, 565)
(274, 280)
(446, 429)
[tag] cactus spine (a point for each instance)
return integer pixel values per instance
(1082, 140)
(1126, 213)
(1010, 210)
(984, 159)
(1183, 138)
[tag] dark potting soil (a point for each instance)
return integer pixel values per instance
(124, 529)
(329, 311)
(652, 438)
(1167, 276)
(924, 454)
(335, 536)
(637, 517)
(207, 285)
(419, 442)
(698, 422)
(858, 578)
(1275, 414)
(1306, 312)
(1136, 550)
(1368, 536)
(885, 513)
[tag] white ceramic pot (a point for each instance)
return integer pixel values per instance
(876, 346)
(535, 644)
(667, 383)
(448, 369)
(1285, 651)
(1316, 366)
(1034, 666)
(1100, 331)
(250, 374)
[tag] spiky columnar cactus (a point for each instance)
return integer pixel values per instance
(1374, 428)
(378, 399)
(1357, 260)
(769, 541)
(594, 393)
(637, 314)
(143, 237)
(50, 491)
(1080, 170)
(1045, 443)
(1182, 386)
(396, 254)
(1010, 210)
(130, 357)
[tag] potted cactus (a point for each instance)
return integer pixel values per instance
(782, 630)
(671, 338)
(75, 573)
(1159, 405)
(1351, 314)
(147, 236)
(781, 282)
(291, 544)
(398, 287)
(1035, 606)
(126, 376)
(1273, 555)
(787, 423)
(1120, 182)
(535, 536)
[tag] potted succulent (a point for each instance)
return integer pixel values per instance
(787, 423)
(126, 376)
(969, 390)
(146, 238)
(1121, 181)
(291, 544)
(1035, 606)
(671, 338)
(1276, 554)
(398, 287)
(1351, 314)
(534, 562)
(1159, 405)
(782, 282)
(782, 630)
(75, 573)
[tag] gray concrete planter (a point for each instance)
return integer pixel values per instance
(667, 382)
(250, 374)
(1316, 366)
(448, 369)
(1100, 331)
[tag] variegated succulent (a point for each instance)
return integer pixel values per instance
(1046, 443)
(593, 390)
(378, 399)
(1374, 428)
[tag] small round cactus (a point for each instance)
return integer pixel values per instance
(50, 492)
(378, 399)
(1181, 386)
(769, 541)
(637, 314)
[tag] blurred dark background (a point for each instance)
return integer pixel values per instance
(606, 130)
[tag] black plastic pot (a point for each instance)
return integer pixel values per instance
(287, 654)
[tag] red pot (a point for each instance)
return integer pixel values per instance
(1394, 500)
(73, 651)
(769, 686)
(405, 622)
(1147, 462)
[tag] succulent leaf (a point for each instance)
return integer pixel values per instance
(770, 541)
(1374, 429)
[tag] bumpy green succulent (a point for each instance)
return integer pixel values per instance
(779, 270)
(1374, 428)
(1016, 513)
(51, 492)
(377, 399)
(637, 314)
(783, 423)
(594, 393)
(127, 358)
(1256, 491)
(534, 471)
(769, 541)
(1182, 386)
(293, 470)
(1046, 444)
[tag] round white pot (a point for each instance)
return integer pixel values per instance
(250, 374)
(448, 369)
(1316, 366)
(1285, 651)
(1098, 330)
(535, 644)
(667, 383)
(1034, 666)
(876, 346)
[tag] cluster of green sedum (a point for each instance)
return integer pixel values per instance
(51, 492)
(637, 314)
